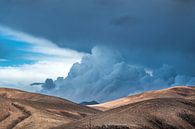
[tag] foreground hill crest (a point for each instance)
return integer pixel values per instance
(24, 110)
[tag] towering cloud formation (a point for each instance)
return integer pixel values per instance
(103, 75)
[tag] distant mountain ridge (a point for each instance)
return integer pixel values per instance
(89, 103)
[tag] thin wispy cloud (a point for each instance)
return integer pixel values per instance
(39, 45)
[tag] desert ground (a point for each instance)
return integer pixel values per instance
(172, 108)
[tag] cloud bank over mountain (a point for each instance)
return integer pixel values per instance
(104, 75)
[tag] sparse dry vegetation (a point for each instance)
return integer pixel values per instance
(107, 127)
(161, 124)
(4, 116)
(188, 118)
(25, 115)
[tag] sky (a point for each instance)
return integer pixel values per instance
(26, 59)
(96, 49)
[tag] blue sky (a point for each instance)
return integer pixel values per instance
(14, 51)
(26, 59)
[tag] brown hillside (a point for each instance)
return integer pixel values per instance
(175, 92)
(172, 108)
(23, 110)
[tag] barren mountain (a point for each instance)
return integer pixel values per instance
(23, 110)
(172, 108)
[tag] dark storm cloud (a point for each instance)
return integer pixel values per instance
(48, 85)
(149, 33)
(124, 21)
(36, 84)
